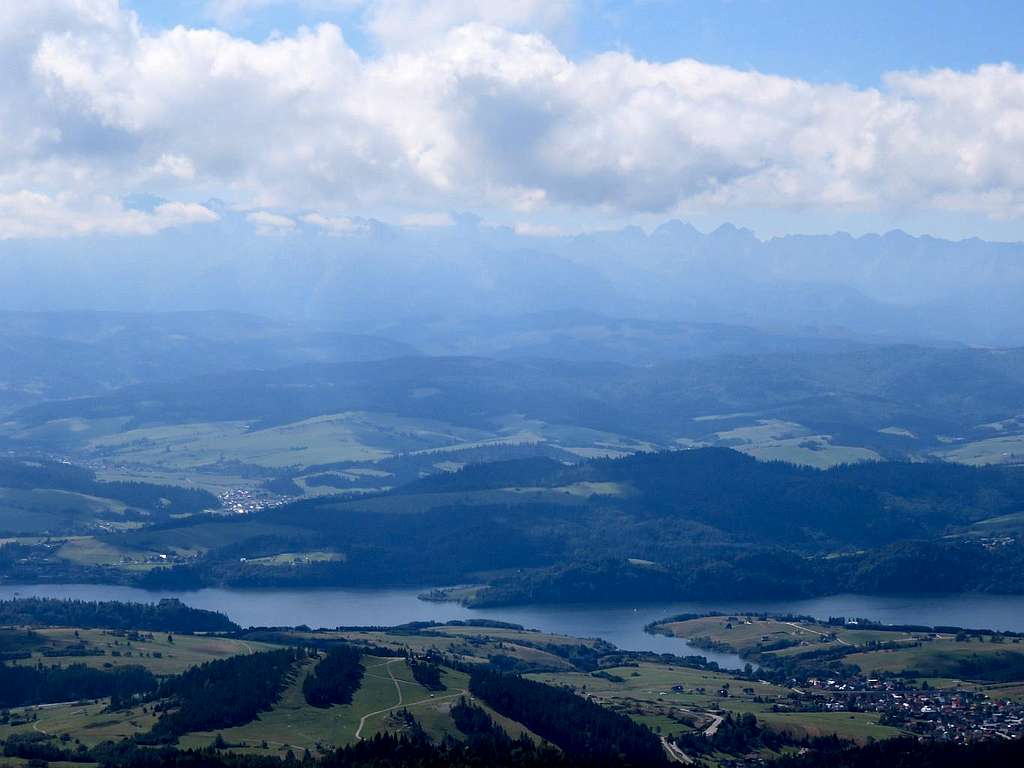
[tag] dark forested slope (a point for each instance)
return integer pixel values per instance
(167, 615)
(707, 522)
(36, 473)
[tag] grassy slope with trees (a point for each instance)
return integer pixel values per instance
(209, 702)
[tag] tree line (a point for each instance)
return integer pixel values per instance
(335, 679)
(25, 685)
(167, 615)
(585, 731)
(41, 473)
(223, 693)
(427, 674)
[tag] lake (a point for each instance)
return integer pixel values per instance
(622, 625)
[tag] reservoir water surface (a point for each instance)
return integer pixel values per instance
(622, 625)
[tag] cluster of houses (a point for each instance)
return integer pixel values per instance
(997, 542)
(957, 715)
(243, 501)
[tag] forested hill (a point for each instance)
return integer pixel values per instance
(698, 523)
(707, 522)
(750, 500)
(854, 396)
(34, 474)
(168, 615)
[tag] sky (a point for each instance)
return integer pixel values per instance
(551, 116)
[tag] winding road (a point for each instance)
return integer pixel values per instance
(675, 754)
(823, 634)
(398, 689)
(712, 729)
(401, 699)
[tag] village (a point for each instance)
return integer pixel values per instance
(956, 715)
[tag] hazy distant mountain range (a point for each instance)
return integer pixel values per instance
(266, 369)
(280, 353)
(396, 282)
(47, 356)
(54, 355)
(271, 403)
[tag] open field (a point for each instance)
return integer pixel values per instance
(387, 690)
(190, 446)
(38, 511)
(1004, 525)
(978, 663)
(86, 722)
(946, 658)
(1010, 691)
(294, 724)
(472, 644)
(216, 481)
(646, 691)
(855, 726)
(744, 634)
(1005, 449)
(777, 440)
(289, 558)
(196, 539)
(815, 451)
(350, 436)
(65, 433)
(654, 682)
(646, 694)
(208, 454)
(431, 709)
(291, 724)
(511, 634)
(583, 489)
(920, 654)
(152, 650)
(86, 550)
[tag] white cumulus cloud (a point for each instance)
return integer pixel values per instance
(175, 166)
(474, 114)
(420, 220)
(335, 225)
(27, 214)
(268, 223)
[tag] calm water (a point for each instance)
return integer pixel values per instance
(621, 625)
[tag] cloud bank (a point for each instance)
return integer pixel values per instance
(467, 110)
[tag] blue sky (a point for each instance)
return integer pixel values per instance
(854, 41)
(824, 41)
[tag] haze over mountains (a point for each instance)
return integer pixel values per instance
(457, 289)
(267, 362)
(291, 348)
(48, 356)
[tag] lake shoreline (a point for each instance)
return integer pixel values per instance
(621, 625)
